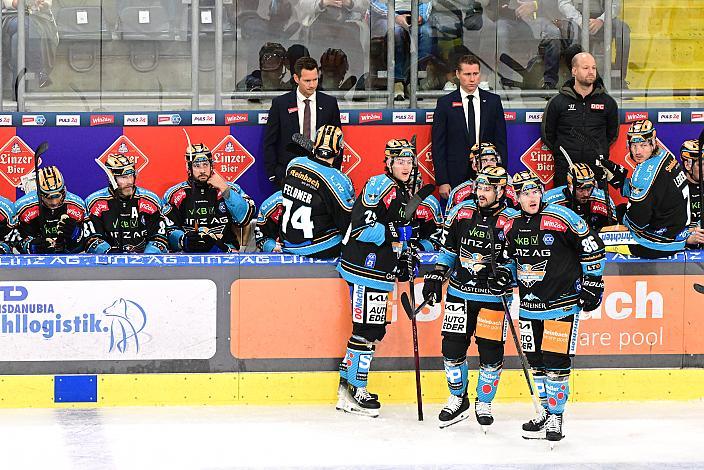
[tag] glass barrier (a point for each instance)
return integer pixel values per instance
(142, 54)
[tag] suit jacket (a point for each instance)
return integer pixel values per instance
(282, 124)
(451, 140)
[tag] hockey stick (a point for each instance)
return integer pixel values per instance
(299, 145)
(574, 177)
(406, 302)
(19, 78)
(522, 356)
(585, 139)
(414, 326)
(41, 149)
(417, 200)
(701, 183)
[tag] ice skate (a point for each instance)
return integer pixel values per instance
(482, 410)
(456, 410)
(535, 428)
(360, 401)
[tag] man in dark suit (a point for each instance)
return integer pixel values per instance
(461, 119)
(302, 110)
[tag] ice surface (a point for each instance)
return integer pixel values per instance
(618, 435)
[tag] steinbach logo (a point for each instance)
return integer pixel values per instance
(510, 115)
(370, 116)
(632, 116)
(102, 119)
(236, 118)
(126, 318)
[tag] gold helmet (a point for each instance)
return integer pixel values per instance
(116, 165)
(525, 181)
(641, 131)
(690, 150)
(487, 149)
(580, 175)
(492, 175)
(51, 182)
(398, 148)
(328, 142)
(198, 153)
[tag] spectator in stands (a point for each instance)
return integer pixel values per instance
(42, 38)
(333, 69)
(621, 32)
(522, 21)
(293, 53)
(463, 118)
(582, 118)
(272, 68)
(303, 111)
(402, 36)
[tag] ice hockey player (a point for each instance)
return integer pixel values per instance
(54, 222)
(8, 233)
(317, 199)
(124, 218)
(375, 255)
(689, 153)
(203, 212)
(480, 156)
(584, 197)
(471, 307)
(267, 232)
(658, 212)
(427, 221)
(558, 263)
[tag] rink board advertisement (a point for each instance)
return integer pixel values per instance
(156, 142)
(640, 315)
(107, 320)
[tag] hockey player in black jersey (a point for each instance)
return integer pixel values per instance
(691, 159)
(471, 307)
(582, 195)
(558, 263)
(203, 212)
(317, 199)
(124, 218)
(371, 262)
(658, 195)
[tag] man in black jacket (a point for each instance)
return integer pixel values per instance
(581, 107)
(302, 110)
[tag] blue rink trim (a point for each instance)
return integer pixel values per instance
(245, 259)
(76, 389)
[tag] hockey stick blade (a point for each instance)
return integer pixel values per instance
(43, 147)
(567, 155)
(699, 288)
(416, 200)
(512, 63)
(406, 302)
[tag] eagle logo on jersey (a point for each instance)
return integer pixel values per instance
(529, 274)
(475, 262)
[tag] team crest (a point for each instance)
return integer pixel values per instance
(530, 274)
(475, 262)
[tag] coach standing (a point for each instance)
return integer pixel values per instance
(460, 120)
(581, 107)
(302, 110)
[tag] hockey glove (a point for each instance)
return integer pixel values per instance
(398, 232)
(592, 292)
(197, 242)
(615, 174)
(500, 282)
(41, 246)
(68, 228)
(432, 286)
(408, 263)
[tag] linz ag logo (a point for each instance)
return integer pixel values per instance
(632, 116)
(102, 119)
(509, 115)
(370, 117)
(16, 160)
(236, 118)
(669, 116)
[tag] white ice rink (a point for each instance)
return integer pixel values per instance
(631, 435)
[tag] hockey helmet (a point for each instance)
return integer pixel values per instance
(486, 150)
(272, 56)
(492, 175)
(116, 165)
(51, 183)
(641, 131)
(525, 181)
(398, 148)
(580, 176)
(329, 142)
(196, 153)
(690, 150)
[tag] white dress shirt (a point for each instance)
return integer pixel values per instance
(475, 102)
(301, 110)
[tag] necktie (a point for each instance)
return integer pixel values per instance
(470, 121)
(306, 120)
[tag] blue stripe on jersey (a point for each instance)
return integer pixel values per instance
(643, 176)
(339, 183)
(475, 296)
(385, 286)
(373, 234)
(551, 314)
(308, 248)
(237, 206)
